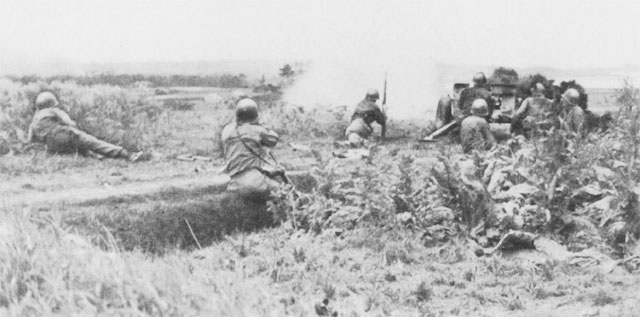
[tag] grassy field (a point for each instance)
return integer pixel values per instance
(404, 232)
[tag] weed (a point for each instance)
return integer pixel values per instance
(390, 277)
(515, 303)
(546, 270)
(478, 296)
(469, 276)
(602, 298)
(299, 255)
(423, 293)
(329, 291)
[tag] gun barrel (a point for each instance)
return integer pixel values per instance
(384, 91)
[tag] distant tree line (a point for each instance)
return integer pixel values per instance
(125, 80)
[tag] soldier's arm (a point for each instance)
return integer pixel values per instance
(522, 110)
(488, 136)
(580, 123)
(269, 138)
(64, 117)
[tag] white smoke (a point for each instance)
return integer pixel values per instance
(413, 87)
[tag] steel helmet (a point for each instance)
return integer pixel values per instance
(571, 96)
(539, 87)
(372, 94)
(46, 99)
(479, 107)
(246, 111)
(479, 79)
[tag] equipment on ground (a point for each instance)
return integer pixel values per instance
(444, 112)
(440, 132)
(505, 101)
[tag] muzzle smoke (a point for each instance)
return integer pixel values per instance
(413, 87)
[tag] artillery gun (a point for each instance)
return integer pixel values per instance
(504, 98)
(506, 102)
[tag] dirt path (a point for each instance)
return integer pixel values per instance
(86, 191)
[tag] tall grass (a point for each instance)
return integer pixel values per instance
(125, 117)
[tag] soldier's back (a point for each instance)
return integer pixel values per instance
(541, 107)
(472, 133)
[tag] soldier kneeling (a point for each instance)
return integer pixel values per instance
(475, 132)
(366, 112)
(254, 175)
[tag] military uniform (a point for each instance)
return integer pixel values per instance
(54, 127)
(574, 120)
(360, 129)
(475, 134)
(248, 164)
(467, 96)
(535, 112)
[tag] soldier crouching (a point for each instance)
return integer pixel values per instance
(254, 175)
(366, 112)
(475, 132)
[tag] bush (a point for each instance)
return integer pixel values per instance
(132, 80)
(526, 83)
(503, 75)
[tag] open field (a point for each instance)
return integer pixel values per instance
(161, 238)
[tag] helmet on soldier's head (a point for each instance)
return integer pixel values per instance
(571, 96)
(480, 108)
(46, 99)
(372, 94)
(539, 87)
(246, 111)
(479, 79)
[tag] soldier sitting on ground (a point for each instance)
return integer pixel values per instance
(253, 173)
(535, 113)
(469, 95)
(53, 127)
(366, 112)
(475, 132)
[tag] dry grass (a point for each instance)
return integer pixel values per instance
(136, 255)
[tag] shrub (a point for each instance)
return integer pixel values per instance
(503, 75)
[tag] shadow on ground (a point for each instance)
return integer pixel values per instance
(160, 222)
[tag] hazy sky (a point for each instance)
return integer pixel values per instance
(351, 43)
(517, 33)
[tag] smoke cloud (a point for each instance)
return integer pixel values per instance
(413, 87)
